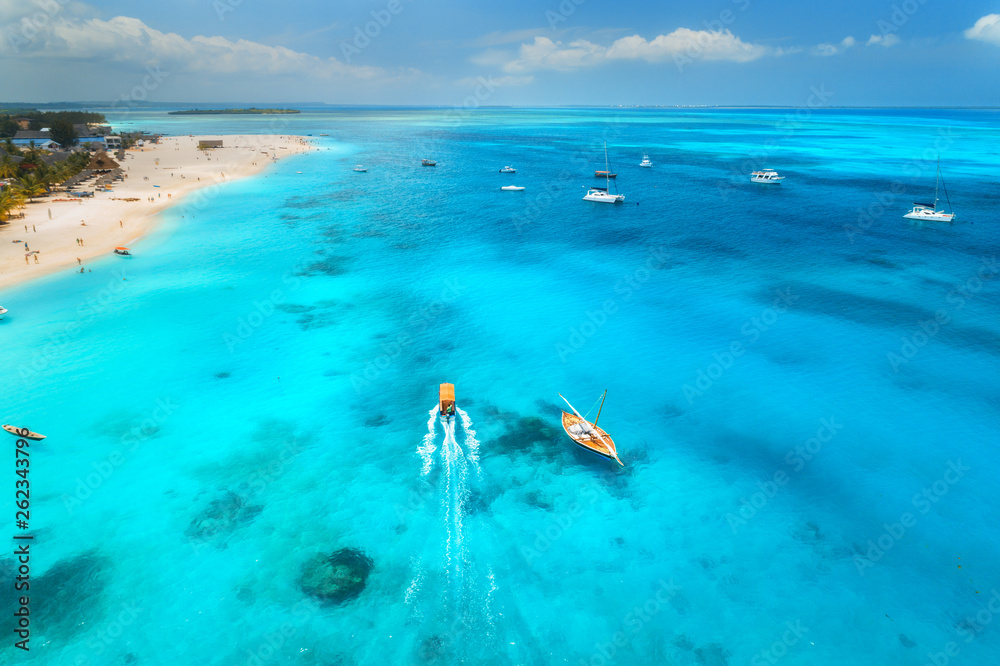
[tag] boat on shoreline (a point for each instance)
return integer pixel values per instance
(587, 435)
(446, 401)
(928, 212)
(766, 176)
(23, 432)
(123, 252)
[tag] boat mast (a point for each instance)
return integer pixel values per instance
(590, 430)
(601, 407)
(937, 181)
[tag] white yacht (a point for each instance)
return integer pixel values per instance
(512, 188)
(601, 194)
(766, 176)
(360, 169)
(645, 161)
(508, 169)
(928, 212)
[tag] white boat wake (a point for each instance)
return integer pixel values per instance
(427, 447)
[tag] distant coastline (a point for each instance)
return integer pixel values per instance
(250, 111)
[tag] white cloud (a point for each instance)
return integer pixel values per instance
(883, 40)
(128, 39)
(834, 49)
(495, 81)
(683, 44)
(987, 29)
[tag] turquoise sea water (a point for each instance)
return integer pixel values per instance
(807, 413)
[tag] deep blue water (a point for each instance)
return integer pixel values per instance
(801, 384)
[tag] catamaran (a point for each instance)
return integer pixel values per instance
(587, 435)
(766, 176)
(928, 211)
(601, 194)
(645, 161)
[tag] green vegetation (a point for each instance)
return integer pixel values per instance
(31, 177)
(251, 110)
(40, 119)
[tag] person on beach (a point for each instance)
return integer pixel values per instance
(25, 259)
(79, 263)
(120, 224)
(34, 229)
(36, 257)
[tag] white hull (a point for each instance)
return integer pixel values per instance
(600, 196)
(3, 310)
(927, 215)
(769, 181)
(512, 188)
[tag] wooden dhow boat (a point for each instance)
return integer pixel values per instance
(587, 435)
(22, 432)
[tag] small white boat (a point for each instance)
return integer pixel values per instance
(601, 195)
(928, 212)
(766, 176)
(428, 163)
(3, 310)
(512, 188)
(508, 169)
(645, 161)
(360, 169)
(23, 432)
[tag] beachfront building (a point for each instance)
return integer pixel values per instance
(205, 144)
(40, 139)
(96, 143)
(113, 142)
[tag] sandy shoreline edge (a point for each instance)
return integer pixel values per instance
(159, 176)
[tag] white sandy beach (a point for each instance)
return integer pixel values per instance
(163, 172)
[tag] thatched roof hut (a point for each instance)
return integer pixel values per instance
(102, 162)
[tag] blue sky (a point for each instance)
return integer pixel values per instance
(726, 52)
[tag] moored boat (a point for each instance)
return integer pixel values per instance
(512, 188)
(587, 435)
(22, 432)
(508, 169)
(123, 251)
(766, 176)
(446, 400)
(428, 163)
(928, 212)
(645, 161)
(602, 194)
(3, 310)
(605, 174)
(360, 169)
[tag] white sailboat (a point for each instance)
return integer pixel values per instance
(601, 194)
(928, 212)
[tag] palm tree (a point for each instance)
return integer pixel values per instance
(10, 148)
(30, 186)
(9, 200)
(8, 167)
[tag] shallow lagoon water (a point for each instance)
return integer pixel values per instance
(280, 340)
